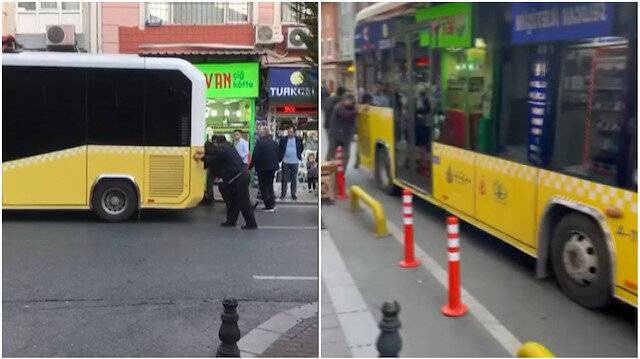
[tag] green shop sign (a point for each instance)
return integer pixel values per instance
(448, 25)
(239, 80)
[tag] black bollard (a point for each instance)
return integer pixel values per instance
(229, 333)
(389, 342)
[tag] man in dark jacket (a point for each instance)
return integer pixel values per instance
(343, 126)
(225, 162)
(329, 105)
(265, 159)
(290, 155)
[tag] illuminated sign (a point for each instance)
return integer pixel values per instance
(237, 80)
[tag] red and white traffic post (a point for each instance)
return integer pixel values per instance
(409, 260)
(455, 307)
(342, 191)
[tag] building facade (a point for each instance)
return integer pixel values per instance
(338, 24)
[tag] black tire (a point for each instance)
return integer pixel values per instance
(383, 172)
(123, 206)
(578, 239)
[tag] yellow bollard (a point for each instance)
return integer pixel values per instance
(358, 193)
(534, 350)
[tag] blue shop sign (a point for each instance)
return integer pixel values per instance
(537, 22)
(373, 36)
(293, 85)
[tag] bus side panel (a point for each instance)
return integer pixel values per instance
(167, 175)
(624, 231)
(506, 197)
(197, 179)
(375, 125)
(454, 177)
(115, 161)
(53, 179)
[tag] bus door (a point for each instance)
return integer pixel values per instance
(403, 94)
(422, 80)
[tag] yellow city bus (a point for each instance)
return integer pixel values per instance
(111, 133)
(518, 118)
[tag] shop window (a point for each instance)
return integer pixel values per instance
(197, 13)
(594, 127)
(290, 12)
(43, 110)
(116, 101)
(167, 108)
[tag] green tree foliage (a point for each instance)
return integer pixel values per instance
(307, 15)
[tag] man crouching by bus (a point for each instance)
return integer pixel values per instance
(225, 162)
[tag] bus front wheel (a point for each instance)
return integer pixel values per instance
(114, 200)
(383, 172)
(581, 261)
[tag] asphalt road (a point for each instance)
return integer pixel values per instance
(74, 286)
(500, 277)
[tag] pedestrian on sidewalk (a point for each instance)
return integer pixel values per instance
(225, 161)
(242, 146)
(312, 173)
(343, 126)
(329, 106)
(265, 160)
(291, 148)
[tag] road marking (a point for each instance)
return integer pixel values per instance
(498, 331)
(289, 227)
(356, 321)
(282, 277)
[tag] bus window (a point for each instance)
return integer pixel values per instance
(512, 136)
(168, 108)
(592, 129)
(116, 101)
(43, 110)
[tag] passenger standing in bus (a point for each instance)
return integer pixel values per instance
(225, 161)
(343, 123)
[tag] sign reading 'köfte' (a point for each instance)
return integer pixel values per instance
(238, 80)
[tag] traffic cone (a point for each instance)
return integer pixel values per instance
(342, 191)
(409, 260)
(455, 307)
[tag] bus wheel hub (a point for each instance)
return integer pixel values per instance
(114, 201)
(579, 259)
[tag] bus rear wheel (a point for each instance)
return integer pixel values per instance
(581, 261)
(383, 172)
(114, 200)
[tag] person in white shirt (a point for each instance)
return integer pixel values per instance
(242, 146)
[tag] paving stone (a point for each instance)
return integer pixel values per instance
(305, 311)
(280, 323)
(257, 341)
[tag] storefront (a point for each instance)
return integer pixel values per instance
(232, 89)
(293, 100)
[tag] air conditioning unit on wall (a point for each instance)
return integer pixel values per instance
(294, 38)
(61, 35)
(269, 34)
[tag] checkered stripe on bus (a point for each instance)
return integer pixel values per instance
(577, 188)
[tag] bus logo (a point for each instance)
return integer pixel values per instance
(499, 191)
(449, 175)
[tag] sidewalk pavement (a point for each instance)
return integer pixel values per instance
(373, 277)
(334, 342)
(301, 341)
(291, 333)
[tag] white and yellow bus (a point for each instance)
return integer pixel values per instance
(523, 127)
(110, 133)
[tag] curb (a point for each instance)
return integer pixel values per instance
(258, 340)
